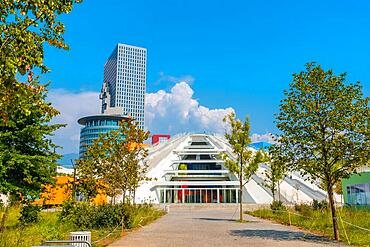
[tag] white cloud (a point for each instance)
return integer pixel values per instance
(173, 79)
(268, 137)
(171, 112)
(72, 106)
(176, 111)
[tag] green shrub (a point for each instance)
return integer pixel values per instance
(86, 216)
(67, 209)
(30, 214)
(316, 205)
(108, 215)
(304, 209)
(277, 206)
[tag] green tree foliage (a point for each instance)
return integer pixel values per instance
(325, 128)
(26, 159)
(276, 170)
(25, 28)
(246, 161)
(116, 160)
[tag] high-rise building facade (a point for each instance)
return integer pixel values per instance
(125, 81)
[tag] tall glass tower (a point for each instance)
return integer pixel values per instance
(125, 81)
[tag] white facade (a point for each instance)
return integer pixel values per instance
(203, 178)
(125, 80)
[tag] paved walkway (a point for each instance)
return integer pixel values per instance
(217, 227)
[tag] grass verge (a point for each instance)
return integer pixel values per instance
(319, 221)
(50, 228)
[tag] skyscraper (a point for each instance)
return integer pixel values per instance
(125, 81)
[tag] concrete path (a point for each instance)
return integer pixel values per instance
(217, 227)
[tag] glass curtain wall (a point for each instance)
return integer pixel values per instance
(198, 195)
(358, 194)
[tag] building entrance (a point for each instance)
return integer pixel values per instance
(198, 195)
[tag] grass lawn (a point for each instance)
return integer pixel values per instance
(320, 222)
(50, 228)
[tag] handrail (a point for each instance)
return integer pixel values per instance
(195, 171)
(67, 242)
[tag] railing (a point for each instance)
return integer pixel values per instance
(53, 242)
(197, 161)
(188, 172)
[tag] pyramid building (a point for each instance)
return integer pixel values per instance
(188, 169)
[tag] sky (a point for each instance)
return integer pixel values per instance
(206, 58)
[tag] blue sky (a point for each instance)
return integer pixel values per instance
(241, 54)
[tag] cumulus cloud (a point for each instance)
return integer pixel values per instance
(268, 137)
(174, 79)
(174, 111)
(72, 106)
(177, 111)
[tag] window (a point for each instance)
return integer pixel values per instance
(358, 194)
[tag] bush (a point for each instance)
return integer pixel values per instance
(67, 209)
(86, 216)
(316, 205)
(304, 209)
(277, 206)
(109, 215)
(30, 214)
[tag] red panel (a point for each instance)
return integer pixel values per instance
(155, 138)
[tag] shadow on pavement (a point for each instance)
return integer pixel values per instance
(220, 219)
(214, 219)
(279, 235)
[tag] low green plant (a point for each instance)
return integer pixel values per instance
(320, 222)
(277, 206)
(52, 226)
(86, 216)
(30, 214)
(319, 205)
(304, 209)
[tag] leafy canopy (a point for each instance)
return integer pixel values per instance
(27, 156)
(25, 26)
(324, 124)
(276, 170)
(325, 128)
(246, 161)
(117, 159)
(242, 161)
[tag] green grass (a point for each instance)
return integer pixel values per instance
(320, 222)
(50, 228)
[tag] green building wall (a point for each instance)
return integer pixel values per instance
(362, 179)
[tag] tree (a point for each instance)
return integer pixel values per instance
(117, 159)
(324, 126)
(246, 161)
(276, 170)
(25, 28)
(27, 156)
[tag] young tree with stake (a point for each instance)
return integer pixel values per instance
(276, 171)
(324, 126)
(246, 161)
(117, 160)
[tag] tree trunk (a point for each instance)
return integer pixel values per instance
(333, 212)
(134, 194)
(279, 191)
(241, 197)
(241, 187)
